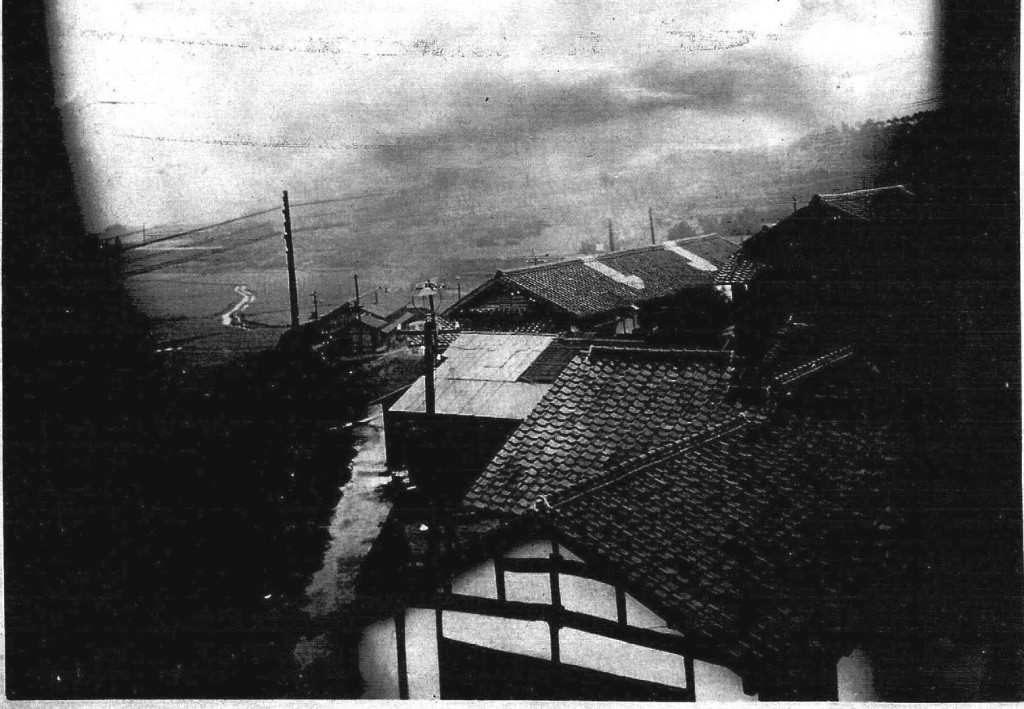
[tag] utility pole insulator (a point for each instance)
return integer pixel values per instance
(289, 252)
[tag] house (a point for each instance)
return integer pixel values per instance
(349, 331)
(408, 330)
(485, 386)
(666, 537)
(864, 233)
(738, 561)
(834, 258)
(612, 293)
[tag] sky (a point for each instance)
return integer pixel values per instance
(188, 112)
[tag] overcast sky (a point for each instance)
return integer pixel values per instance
(188, 111)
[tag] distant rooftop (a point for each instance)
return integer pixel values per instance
(870, 205)
(587, 286)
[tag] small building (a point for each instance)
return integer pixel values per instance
(347, 332)
(611, 293)
(485, 386)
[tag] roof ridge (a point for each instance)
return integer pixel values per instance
(654, 247)
(503, 333)
(583, 258)
(640, 348)
(539, 266)
(869, 190)
(813, 365)
(640, 463)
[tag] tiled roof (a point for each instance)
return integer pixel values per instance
(480, 378)
(552, 361)
(871, 205)
(444, 339)
(741, 536)
(739, 269)
(607, 406)
(501, 323)
(624, 278)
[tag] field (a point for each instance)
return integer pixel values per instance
(456, 226)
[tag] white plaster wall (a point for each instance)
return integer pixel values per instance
(377, 649)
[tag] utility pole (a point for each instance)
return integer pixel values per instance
(289, 252)
(316, 310)
(143, 234)
(427, 290)
(359, 312)
(650, 218)
(611, 237)
(458, 285)
(429, 328)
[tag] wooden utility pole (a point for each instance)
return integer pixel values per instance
(359, 312)
(429, 327)
(650, 218)
(289, 252)
(611, 237)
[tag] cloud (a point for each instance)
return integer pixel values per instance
(751, 81)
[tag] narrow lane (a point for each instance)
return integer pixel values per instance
(357, 519)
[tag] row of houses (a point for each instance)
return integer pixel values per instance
(680, 468)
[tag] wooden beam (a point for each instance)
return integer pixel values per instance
(565, 566)
(403, 669)
(518, 610)
(499, 577)
(556, 605)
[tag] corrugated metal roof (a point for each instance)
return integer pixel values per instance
(479, 377)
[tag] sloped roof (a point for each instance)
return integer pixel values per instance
(607, 406)
(870, 205)
(589, 286)
(739, 269)
(724, 533)
(550, 364)
(480, 378)
(349, 310)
